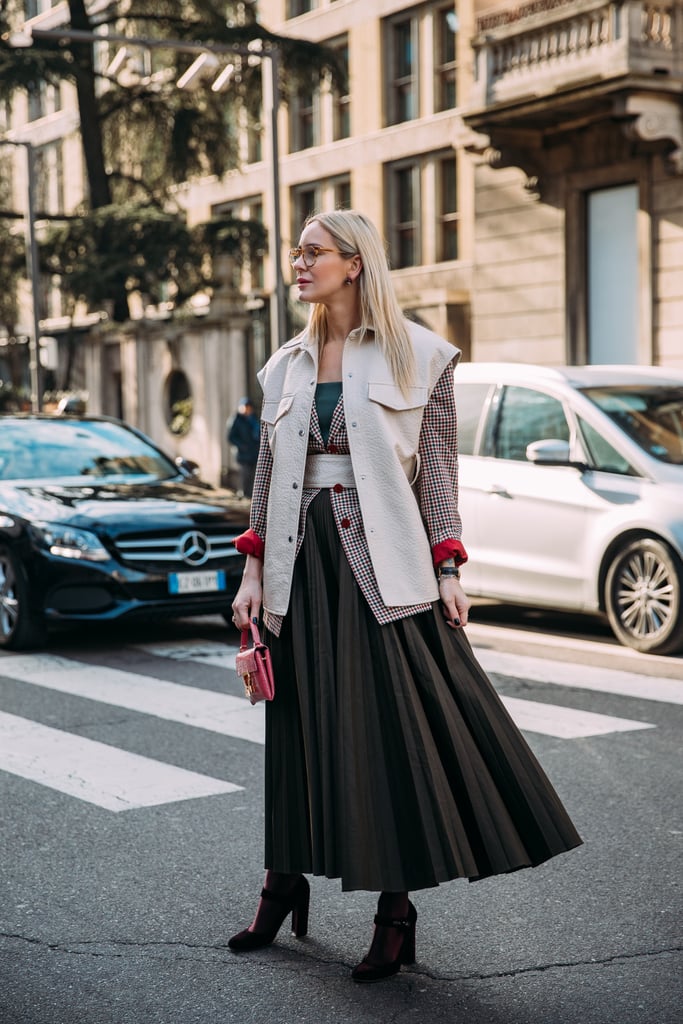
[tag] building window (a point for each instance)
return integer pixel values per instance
(421, 212)
(305, 200)
(341, 190)
(401, 48)
(44, 100)
(341, 102)
(403, 213)
(297, 7)
(248, 272)
(32, 8)
(445, 48)
(254, 139)
(326, 194)
(36, 102)
(303, 122)
(447, 215)
(255, 267)
(50, 178)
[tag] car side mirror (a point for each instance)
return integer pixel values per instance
(552, 452)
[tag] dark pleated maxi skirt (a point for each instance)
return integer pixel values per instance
(391, 762)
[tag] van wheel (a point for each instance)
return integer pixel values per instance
(21, 628)
(643, 597)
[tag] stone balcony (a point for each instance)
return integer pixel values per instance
(553, 63)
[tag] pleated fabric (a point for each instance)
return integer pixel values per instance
(391, 762)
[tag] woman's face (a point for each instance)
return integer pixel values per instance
(326, 278)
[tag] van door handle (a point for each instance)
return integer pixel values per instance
(498, 491)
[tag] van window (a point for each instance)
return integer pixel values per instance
(526, 416)
(602, 454)
(470, 402)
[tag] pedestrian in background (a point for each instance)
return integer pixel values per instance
(391, 762)
(244, 432)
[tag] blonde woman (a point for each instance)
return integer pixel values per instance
(391, 763)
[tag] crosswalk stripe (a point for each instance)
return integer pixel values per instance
(189, 705)
(532, 716)
(520, 666)
(584, 677)
(96, 772)
(207, 652)
(565, 723)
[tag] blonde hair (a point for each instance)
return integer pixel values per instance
(354, 233)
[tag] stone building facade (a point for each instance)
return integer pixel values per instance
(523, 160)
(578, 182)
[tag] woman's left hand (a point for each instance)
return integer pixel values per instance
(454, 601)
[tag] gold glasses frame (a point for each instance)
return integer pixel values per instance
(309, 254)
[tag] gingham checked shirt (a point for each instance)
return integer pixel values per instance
(436, 490)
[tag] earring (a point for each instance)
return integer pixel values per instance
(348, 280)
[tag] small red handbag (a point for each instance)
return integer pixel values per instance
(254, 665)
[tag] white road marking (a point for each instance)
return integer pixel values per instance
(189, 705)
(480, 631)
(584, 677)
(548, 719)
(565, 723)
(96, 772)
(208, 652)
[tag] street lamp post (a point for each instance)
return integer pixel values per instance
(271, 96)
(33, 271)
(268, 52)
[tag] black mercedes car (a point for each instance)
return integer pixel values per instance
(96, 523)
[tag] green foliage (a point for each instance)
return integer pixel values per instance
(12, 263)
(143, 136)
(140, 247)
(26, 67)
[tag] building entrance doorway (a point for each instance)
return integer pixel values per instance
(612, 275)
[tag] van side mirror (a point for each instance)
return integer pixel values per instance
(551, 452)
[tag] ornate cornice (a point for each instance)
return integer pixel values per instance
(654, 119)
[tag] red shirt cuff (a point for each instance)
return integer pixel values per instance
(249, 543)
(449, 549)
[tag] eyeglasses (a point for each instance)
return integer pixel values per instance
(309, 253)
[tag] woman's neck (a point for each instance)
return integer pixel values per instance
(341, 319)
(330, 360)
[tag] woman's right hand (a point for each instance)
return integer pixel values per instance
(247, 603)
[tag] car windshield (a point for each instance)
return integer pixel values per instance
(62, 448)
(652, 415)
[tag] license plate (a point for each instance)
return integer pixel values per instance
(196, 582)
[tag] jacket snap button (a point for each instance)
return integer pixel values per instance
(295, 486)
(290, 539)
(338, 488)
(346, 523)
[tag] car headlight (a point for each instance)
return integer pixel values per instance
(68, 542)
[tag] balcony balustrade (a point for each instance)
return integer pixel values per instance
(546, 47)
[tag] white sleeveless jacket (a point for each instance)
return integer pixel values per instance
(383, 427)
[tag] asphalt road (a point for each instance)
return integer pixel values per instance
(118, 896)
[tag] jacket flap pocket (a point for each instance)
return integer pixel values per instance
(272, 411)
(392, 396)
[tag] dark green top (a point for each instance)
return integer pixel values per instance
(326, 398)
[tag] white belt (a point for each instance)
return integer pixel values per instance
(328, 470)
